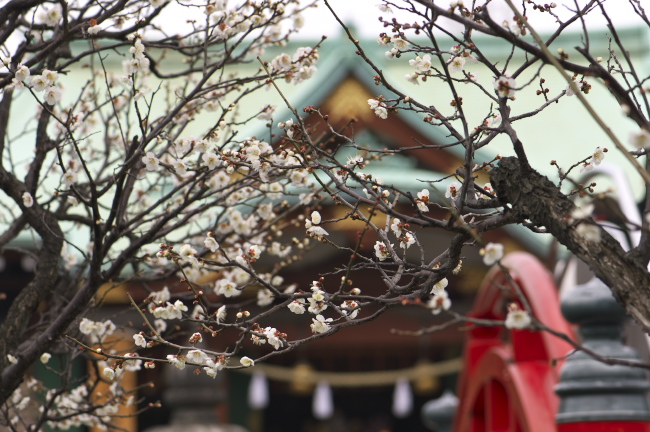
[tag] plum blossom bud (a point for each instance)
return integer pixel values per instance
(247, 361)
(45, 357)
(28, 201)
(109, 373)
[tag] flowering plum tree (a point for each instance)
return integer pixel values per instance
(517, 193)
(112, 171)
(141, 177)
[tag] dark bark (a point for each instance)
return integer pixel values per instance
(532, 196)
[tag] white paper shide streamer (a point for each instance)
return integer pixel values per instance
(402, 398)
(323, 405)
(258, 391)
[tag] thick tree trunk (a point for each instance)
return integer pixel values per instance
(532, 196)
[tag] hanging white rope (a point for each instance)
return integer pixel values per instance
(358, 379)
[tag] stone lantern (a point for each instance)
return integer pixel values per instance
(595, 395)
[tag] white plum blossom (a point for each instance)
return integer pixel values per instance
(160, 325)
(286, 124)
(196, 356)
(170, 311)
(453, 190)
(379, 108)
(350, 308)
(211, 243)
(176, 310)
(189, 254)
(422, 64)
(582, 212)
(412, 78)
(492, 252)
(384, 8)
(140, 340)
(569, 90)
(315, 218)
(640, 139)
(211, 160)
(212, 367)
(28, 201)
(316, 306)
(440, 286)
(220, 315)
(255, 251)
(407, 240)
(505, 87)
(180, 167)
(598, 156)
(320, 324)
(423, 200)
(488, 188)
(391, 53)
(132, 365)
(150, 161)
(50, 76)
(94, 29)
(382, 251)
(212, 373)
(69, 178)
(22, 73)
(399, 43)
(273, 337)
(589, 232)
(45, 357)
(396, 227)
(247, 361)
(317, 232)
(586, 167)
(267, 113)
(12, 359)
(177, 361)
(50, 16)
(38, 83)
(494, 120)
(264, 297)
(513, 26)
(95, 329)
(517, 318)
(456, 64)
(198, 313)
(159, 297)
(297, 306)
(52, 95)
(227, 288)
(439, 302)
